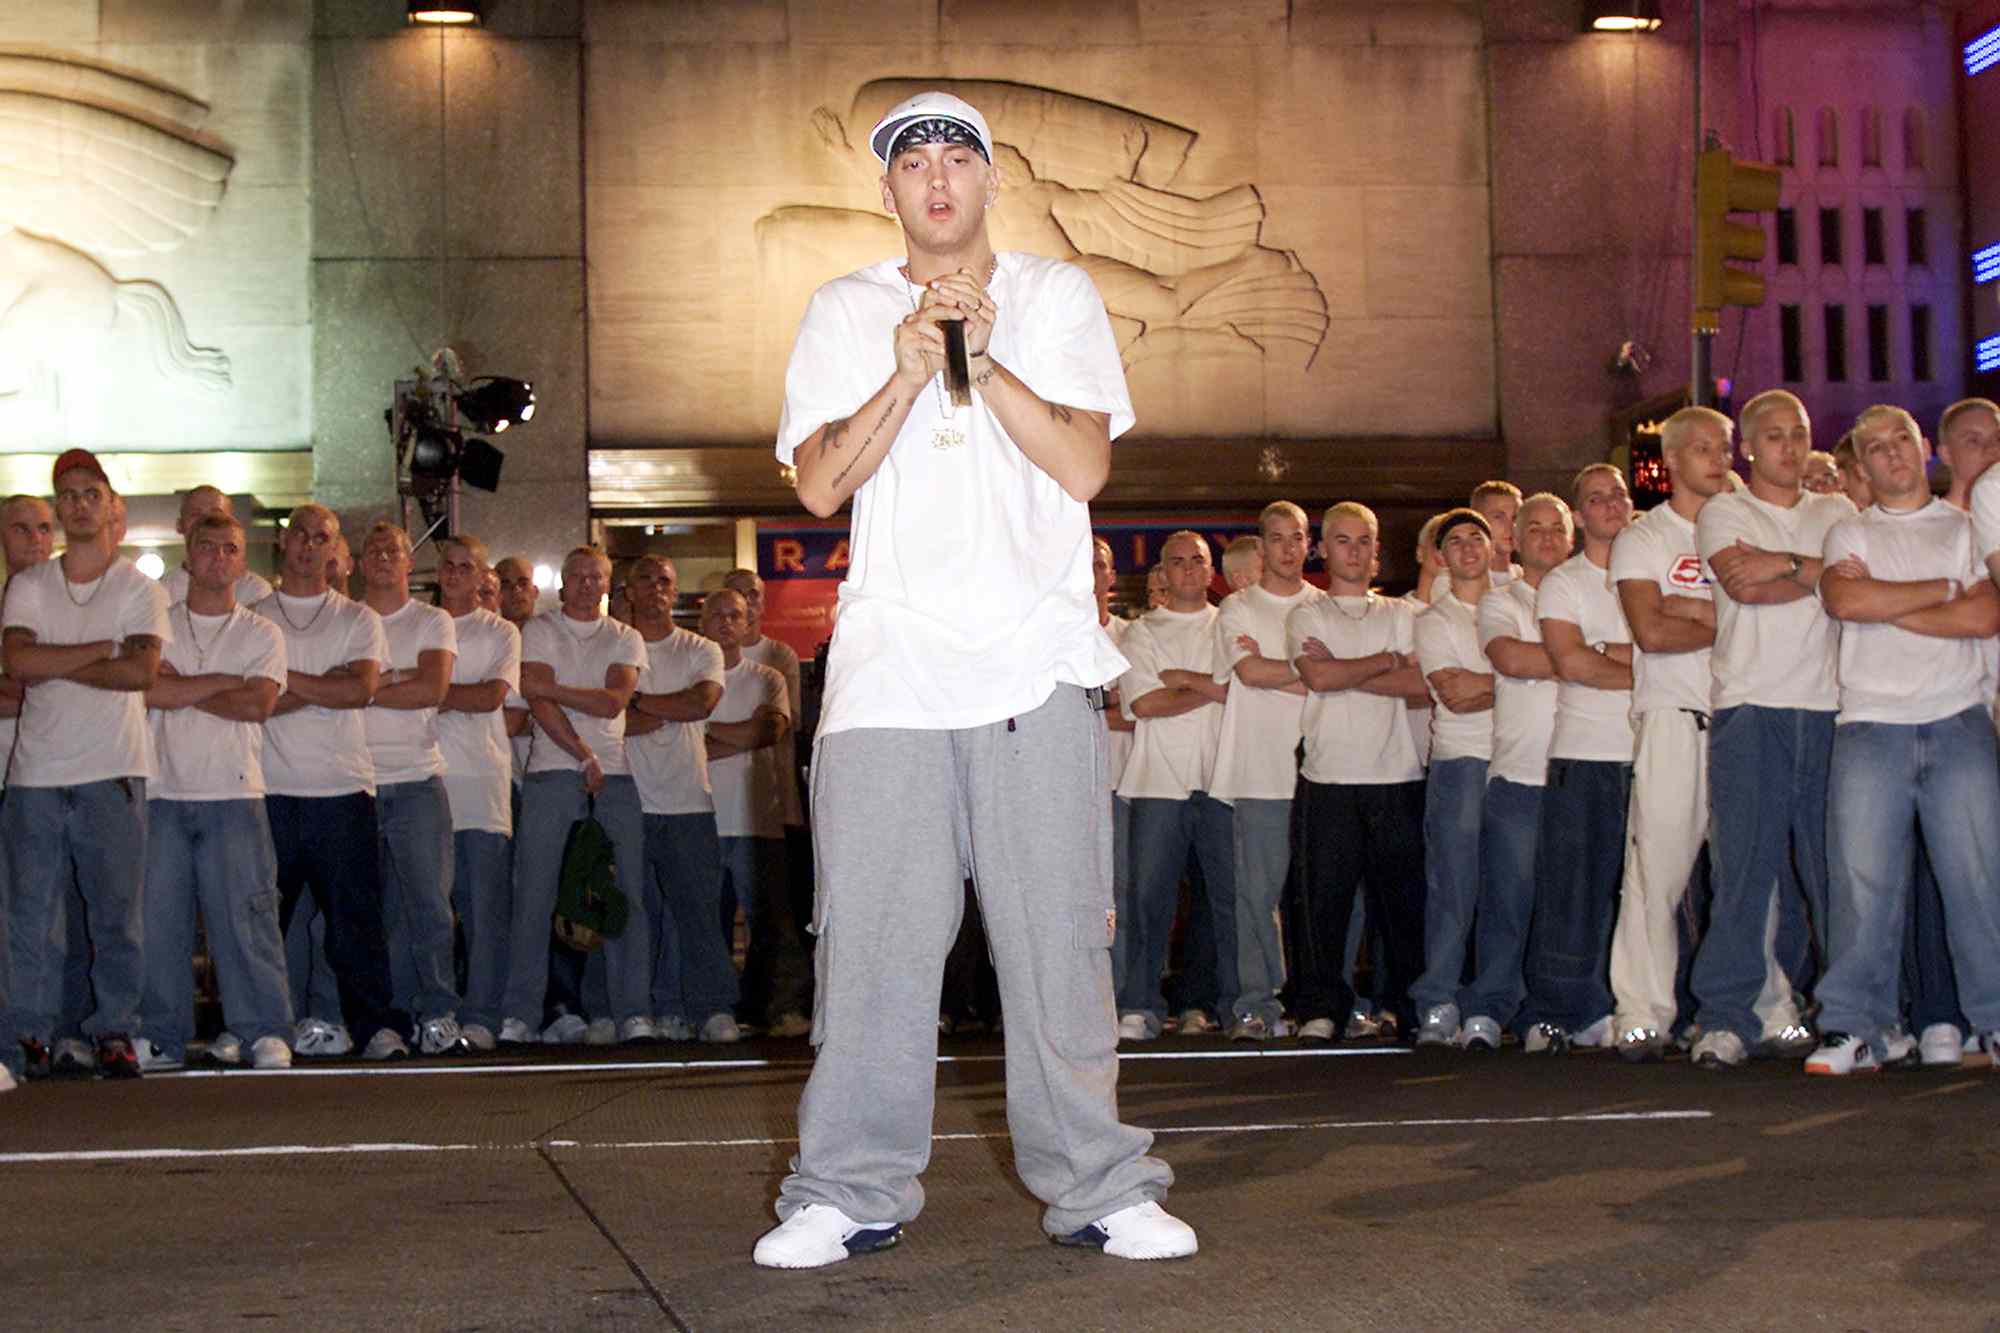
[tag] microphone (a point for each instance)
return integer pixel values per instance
(957, 369)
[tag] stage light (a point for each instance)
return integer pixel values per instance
(1622, 16)
(465, 12)
(494, 403)
(545, 577)
(151, 565)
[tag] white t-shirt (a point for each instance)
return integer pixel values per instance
(1119, 752)
(69, 734)
(478, 764)
(670, 765)
(1659, 548)
(747, 801)
(1591, 723)
(202, 757)
(251, 589)
(316, 751)
(1780, 656)
(404, 741)
(1261, 729)
(1354, 737)
(1890, 674)
(970, 596)
(778, 655)
(1172, 757)
(581, 652)
(1524, 709)
(1447, 635)
(1984, 503)
(1419, 717)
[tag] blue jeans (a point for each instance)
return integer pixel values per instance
(1930, 982)
(1579, 866)
(100, 828)
(684, 894)
(1163, 833)
(775, 980)
(414, 823)
(482, 897)
(551, 802)
(1454, 804)
(328, 844)
(1510, 831)
(1887, 784)
(1767, 773)
(1263, 858)
(216, 855)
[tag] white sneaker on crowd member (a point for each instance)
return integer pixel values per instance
(1480, 1034)
(1136, 1027)
(790, 1024)
(386, 1045)
(1143, 1231)
(442, 1036)
(316, 1038)
(151, 1058)
(1840, 1053)
(1642, 1045)
(638, 1028)
(1197, 1023)
(1941, 1046)
(270, 1053)
(72, 1058)
(566, 1030)
(720, 1029)
(1991, 1043)
(820, 1234)
(601, 1032)
(1317, 1029)
(1720, 1049)
(7, 1083)
(679, 1029)
(1363, 1026)
(1596, 1035)
(226, 1048)
(513, 1032)
(1254, 1027)
(1546, 1039)
(1439, 1026)
(478, 1036)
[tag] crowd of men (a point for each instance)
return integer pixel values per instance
(1719, 778)
(1506, 781)
(368, 802)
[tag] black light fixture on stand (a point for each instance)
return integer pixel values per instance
(1621, 16)
(433, 452)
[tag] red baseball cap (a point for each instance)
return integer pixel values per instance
(73, 460)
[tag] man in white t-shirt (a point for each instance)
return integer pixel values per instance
(1256, 768)
(1165, 785)
(1119, 729)
(208, 837)
(1774, 698)
(1524, 715)
(747, 737)
(1580, 853)
(412, 813)
(320, 784)
(83, 635)
(1461, 688)
(472, 737)
(1362, 784)
(1242, 562)
(1430, 578)
(197, 504)
(1499, 503)
(959, 729)
(518, 596)
(27, 534)
(1914, 752)
(579, 669)
(694, 974)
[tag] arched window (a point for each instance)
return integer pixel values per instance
(1871, 136)
(1829, 137)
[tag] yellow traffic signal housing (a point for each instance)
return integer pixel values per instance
(1724, 186)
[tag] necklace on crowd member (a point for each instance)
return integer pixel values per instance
(1367, 605)
(97, 586)
(200, 652)
(945, 435)
(325, 600)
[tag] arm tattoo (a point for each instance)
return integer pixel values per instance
(1059, 413)
(880, 421)
(830, 437)
(984, 375)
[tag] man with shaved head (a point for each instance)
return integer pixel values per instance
(27, 533)
(197, 504)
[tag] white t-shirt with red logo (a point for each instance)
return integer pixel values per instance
(1659, 548)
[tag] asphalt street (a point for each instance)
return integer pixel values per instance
(1350, 1189)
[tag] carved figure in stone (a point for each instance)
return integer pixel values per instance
(1181, 275)
(95, 162)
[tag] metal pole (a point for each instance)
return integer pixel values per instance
(1701, 383)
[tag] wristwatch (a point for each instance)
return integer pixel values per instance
(1797, 565)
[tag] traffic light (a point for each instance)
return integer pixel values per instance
(1724, 186)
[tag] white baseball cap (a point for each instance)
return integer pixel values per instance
(932, 105)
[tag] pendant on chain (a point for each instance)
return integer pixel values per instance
(946, 436)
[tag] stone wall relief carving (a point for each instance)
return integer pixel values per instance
(1182, 275)
(96, 163)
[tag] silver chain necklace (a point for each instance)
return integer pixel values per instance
(325, 600)
(944, 435)
(63, 574)
(201, 653)
(1368, 605)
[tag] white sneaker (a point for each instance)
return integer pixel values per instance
(1840, 1053)
(441, 1036)
(1597, 1034)
(386, 1045)
(318, 1039)
(1143, 1231)
(1942, 1046)
(478, 1036)
(1545, 1039)
(719, 1030)
(638, 1028)
(151, 1057)
(1480, 1033)
(820, 1234)
(601, 1032)
(1439, 1025)
(1135, 1027)
(678, 1029)
(1363, 1026)
(1316, 1029)
(72, 1056)
(226, 1049)
(270, 1053)
(7, 1083)
(1720, 1049)
(1197, 1023)
(1899, 1049)
(513, 1032)
(790, 1025)
(567, 1030)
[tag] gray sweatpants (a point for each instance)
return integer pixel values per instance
(901, 818)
